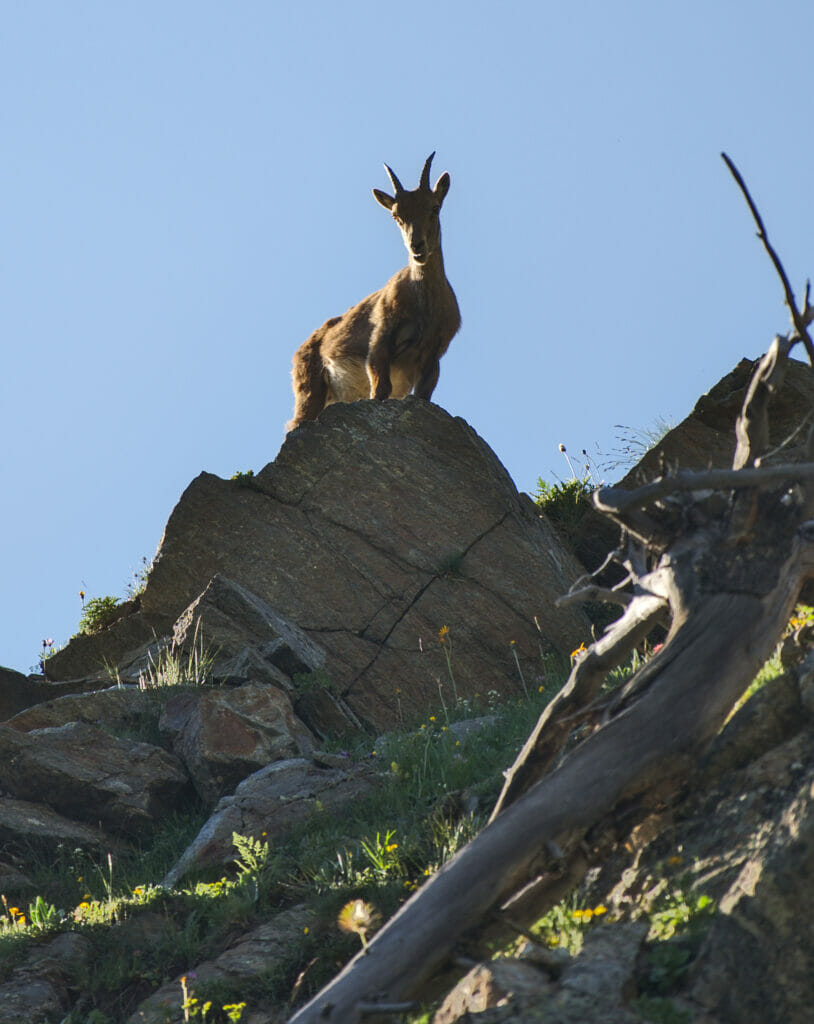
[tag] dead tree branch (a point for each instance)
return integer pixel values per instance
(617, 500)
(799, 319)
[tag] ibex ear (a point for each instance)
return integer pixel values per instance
(384, 199)
(441, 187)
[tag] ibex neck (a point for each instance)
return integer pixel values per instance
(431, 269)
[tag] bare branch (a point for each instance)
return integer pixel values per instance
(798, 318)
(616, 500)
(594, 593)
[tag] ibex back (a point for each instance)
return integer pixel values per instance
(391, 343)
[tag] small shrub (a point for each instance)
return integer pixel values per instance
(564, 505)
(98, 613)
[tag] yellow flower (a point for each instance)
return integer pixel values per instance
(675, 860)
(391, 847)
(601, 909)
(305, 930)
(432, 718)
(14, 910)
(138, 890)
(443, 633)
(580, 650)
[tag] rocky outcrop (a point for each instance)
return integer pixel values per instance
(374, 527)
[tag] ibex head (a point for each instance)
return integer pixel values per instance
(416, 212)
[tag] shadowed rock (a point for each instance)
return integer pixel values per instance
(91, 776)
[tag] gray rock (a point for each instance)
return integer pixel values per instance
(271, 802)
(115, 707)
(92, 776)
(24, 825)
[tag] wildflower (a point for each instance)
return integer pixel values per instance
(540, 689)
(422, 726)
(512, 643)
(358, 916)
(391, 847)
(432, 718)
(138, 891)
(305, 930)
(580, 650)
(675, 860)
(443, 633)
(601, 909)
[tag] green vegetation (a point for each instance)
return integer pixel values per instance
(98, 613)
(564, 504)
(351, 871)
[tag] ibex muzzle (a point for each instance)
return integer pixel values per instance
(391, 343)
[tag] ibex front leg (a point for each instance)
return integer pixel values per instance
(428, 379)
(378, 366)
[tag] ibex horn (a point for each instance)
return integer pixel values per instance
(397, 185)
(425, 174)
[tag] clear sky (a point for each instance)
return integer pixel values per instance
(185, 196)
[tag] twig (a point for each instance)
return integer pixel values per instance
(615, 500)
(594, 593)
(799, 320)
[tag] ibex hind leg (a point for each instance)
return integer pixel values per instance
(308, 379)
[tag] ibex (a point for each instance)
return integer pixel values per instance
(389, 344)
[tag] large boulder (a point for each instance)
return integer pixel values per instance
(376, 526)
(90, 776)
(222, 735)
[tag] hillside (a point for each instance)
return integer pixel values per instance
(311, 705)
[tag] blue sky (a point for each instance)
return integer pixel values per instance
(185, 196)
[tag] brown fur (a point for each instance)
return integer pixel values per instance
(390, 344)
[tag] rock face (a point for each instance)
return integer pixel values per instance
(374, 527)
